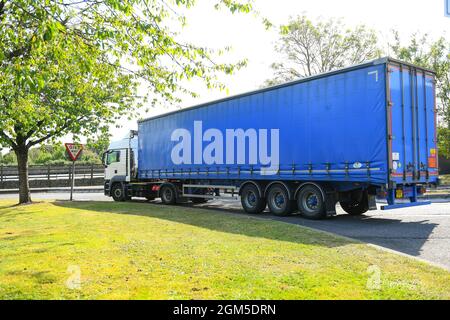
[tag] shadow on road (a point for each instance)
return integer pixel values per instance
(396, 234)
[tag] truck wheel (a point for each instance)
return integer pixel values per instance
(199, 200)
(311, 203)
(251, 200)
(167, 195)
(356, 208)
(117, 192)
(278, 201)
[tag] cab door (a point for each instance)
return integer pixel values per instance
(116, 164)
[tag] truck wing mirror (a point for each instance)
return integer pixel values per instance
(104, 155)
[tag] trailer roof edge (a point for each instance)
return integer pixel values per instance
(379, 61)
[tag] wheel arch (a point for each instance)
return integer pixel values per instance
(282, 183)
(318, 186)
(328, 193)
(116, 180)
(256, 184)
(170, 184)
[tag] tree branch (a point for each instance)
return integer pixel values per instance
(2, 7)
(8, 139)
(18, 52)
(54, 133)
(30, 133)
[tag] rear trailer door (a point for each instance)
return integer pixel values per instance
(411, 125)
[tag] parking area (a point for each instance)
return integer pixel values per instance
(422, 232)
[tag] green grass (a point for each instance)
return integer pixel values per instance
(445, 179)
(141, 251)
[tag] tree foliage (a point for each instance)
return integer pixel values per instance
(63, 63)
(310, 48)
(435, 55)
(99, 144)
(74, 66)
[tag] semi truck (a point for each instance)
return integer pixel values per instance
(350, 136)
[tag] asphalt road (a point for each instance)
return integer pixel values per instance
(422, 232)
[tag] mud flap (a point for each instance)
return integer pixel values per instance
(372, 202)
(330, 203)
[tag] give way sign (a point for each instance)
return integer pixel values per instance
(74, 150)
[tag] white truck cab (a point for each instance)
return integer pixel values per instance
(120, 161)
(116, 163)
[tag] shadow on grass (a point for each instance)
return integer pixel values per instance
(400, 235)
(240, 224)
(396, 234)
(40, 277)
(10, 211)
(10, 206)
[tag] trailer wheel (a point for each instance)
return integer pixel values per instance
(117, 192)
(355, 207)
(251, 200)
(311, 203)
(167, 195)
(278, 201)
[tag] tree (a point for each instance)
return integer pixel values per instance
(99, 145)
(74, 66)
(433, 55)
(311, 48)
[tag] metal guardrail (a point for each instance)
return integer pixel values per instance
(53, 175)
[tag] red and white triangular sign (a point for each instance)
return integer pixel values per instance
(74, 150)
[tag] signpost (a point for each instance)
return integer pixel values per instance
(74, 151)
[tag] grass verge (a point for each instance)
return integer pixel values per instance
(445, 179)
(102, 250)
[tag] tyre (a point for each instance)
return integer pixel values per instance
(117, 192)
(355, 207)
(278, 201)
(251, 200)
(199, 200)
(310, 203)
(168, 195)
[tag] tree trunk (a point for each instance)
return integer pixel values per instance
(22, 165)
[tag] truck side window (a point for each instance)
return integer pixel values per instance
(113, 156)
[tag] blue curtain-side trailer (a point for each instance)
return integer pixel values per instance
(346, 136)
